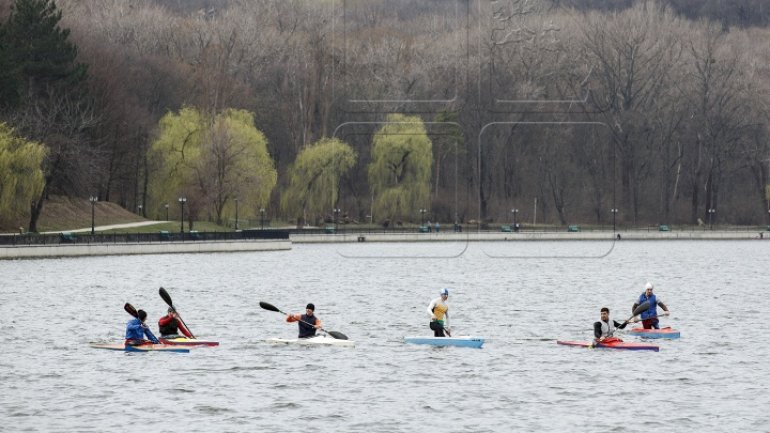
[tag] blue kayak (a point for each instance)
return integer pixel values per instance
(655, 333)
(474, 342)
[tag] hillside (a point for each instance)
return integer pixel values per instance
(63, 213)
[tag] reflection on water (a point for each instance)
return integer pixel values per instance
(712, 379)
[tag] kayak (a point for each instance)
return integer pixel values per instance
(318, 340)
(184, 341)
(142, 348)
(667, 332)
(465, 341)
(615, 344)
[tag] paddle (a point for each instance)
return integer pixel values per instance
(637, 311)
(334, 334)
(132, 311)
(166, 297)
(446, 330)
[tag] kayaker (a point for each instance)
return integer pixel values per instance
(605, 328)
(136, 330)
(439, 314)
(650, 317)
(170, 325)
(308, 322)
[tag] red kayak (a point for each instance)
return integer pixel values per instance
(611, 343)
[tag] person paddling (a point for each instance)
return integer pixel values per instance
(650, 317)
(439, 311)
(170, 325)
(136, 330)
(308, 322)
(605, 328)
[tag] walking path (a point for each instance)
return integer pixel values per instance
(110, 227)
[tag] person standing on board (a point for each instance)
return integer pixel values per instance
(308, 322)
(605, 328)
(650, 317)
(439, 311)
(170, 325)
(136, 330)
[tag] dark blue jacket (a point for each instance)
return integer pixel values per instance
(135, 331)
(652, 311)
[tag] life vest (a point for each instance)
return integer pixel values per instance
(305, 330)
(652, 311)
(170, 328)
(440, 310)
(608, 328)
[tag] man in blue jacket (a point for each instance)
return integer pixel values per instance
(136, 330)
(650, 317)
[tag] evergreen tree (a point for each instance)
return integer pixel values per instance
(53, 107)
(9, 79)
(40, 49)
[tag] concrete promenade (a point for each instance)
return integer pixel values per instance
(107, 249)
(465, 236)
(172, 247)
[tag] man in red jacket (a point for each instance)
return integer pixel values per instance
(170, 325)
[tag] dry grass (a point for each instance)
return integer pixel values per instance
(64, 213)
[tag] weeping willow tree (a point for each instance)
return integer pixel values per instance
(21, 175)
(315, 177)
(400, 170)
(212, 162)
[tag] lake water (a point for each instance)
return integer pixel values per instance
(521, 296)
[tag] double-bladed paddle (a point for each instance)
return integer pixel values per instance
(334, 334)
(166, 297)
(637, 311)
(132, 311)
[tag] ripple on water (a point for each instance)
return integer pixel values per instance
(520, 381)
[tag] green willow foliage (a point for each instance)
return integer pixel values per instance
(211, 161)
(21, 176)
(315, 177)
(400, 171)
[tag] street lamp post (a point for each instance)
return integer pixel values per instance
(166, 205)
(236, 214)
(614, 213)
(93, 200)
(514, 211)
(336, 218)
(140, 210)
(262, 218)
(422, 216)
(711, 211)
(182, 201)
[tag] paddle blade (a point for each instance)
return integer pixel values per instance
(337, 335)
(641, 308)
(269, 307)
(166, 297)
(131, 310)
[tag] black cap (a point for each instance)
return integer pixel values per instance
(142, 315)
(310, 307)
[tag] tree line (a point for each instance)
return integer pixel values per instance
(465, 110)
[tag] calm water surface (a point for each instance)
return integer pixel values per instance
(521, 296)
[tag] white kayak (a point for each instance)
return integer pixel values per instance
(464, 341)
(318, 340)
